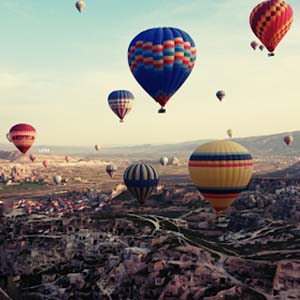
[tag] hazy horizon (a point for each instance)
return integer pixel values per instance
(58, 68)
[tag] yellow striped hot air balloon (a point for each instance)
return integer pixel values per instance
(221, 170)
(141, 179)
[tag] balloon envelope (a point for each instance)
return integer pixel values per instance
(229, 133)
(161, 59)
(254, 45)
(288, 139)
(220, 95)
(120, 103)
(164, 161)
(80, 5)
(174, 161)
(141, 179)
(270, 21)
(111, 170)
(57, 179)
(221, 170)
(23, 136)
(32, 157)
(97, 148)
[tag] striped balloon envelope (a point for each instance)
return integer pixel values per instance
(120, 103)
(161, 59)
(270, 21)
(141, 179)
(221, 170)
(111, 170)
(23, 136)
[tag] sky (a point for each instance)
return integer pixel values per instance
(57, 68)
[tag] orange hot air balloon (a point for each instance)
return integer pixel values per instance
(270, 21)
(23, 136)
(97, 148)
(32, 157)
(45, 164)
(288, 139)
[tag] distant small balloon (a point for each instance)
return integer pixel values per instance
(32, 157)
(80, 5)
(174, 161)
(111, 170)
(45, 164)
(67, 158)
(261, 47)
(229, 133)
(254, 45)
(57, 179)
(164, 161)
(220, 95)
(288, 139)
(97, 148)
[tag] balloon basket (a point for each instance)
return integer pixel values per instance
(162, 110)
(121, 121)
(271, 54)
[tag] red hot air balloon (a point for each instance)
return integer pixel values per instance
(288, 139)
(270, 21)
(254, 45)
(32, 157)
(23, 136)
(45, 164)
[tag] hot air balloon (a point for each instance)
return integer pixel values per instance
(111, 170)
(174, 161)
(23, 136)
(221, 170)
(67, 158)
(261, 47)
(97, 148)
(254, 45)
(164, 161)
(270, 21)
(161, 59)
(57, 179)
(120, 103)
(32, 157)
(229, 133)
(288, 139)
(141, 179)
(220, 95)
(80, 5)
(45, 164)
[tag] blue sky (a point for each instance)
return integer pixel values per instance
(57, 68)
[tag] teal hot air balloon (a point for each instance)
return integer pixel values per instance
(141, 179)
(161, 59)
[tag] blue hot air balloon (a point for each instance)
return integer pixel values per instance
(121, 103)
(141, 179)
(161, 59)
